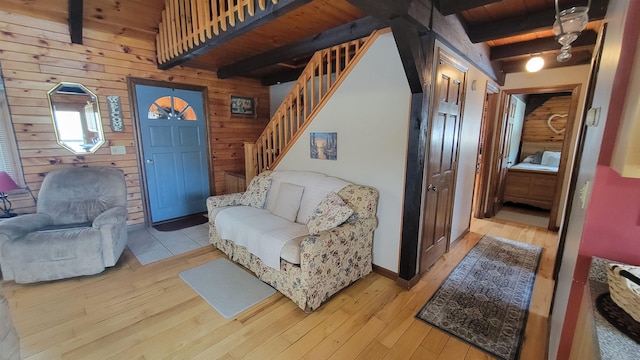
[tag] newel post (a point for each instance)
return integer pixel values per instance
(250, 165)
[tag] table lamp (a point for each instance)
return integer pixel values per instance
(6, 184)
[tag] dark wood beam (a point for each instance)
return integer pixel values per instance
(534, 101)
(541, 45)
(578, 58)
(341, 34)
(281, 77)
(416, 53)
(383, 10)
(523, 24)
(416, 11)
(414, 175)
(448, 7)
(261, 17)
(75, 20)
(411, 54)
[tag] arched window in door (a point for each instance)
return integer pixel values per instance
(171, 108)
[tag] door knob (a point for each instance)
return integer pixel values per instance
(432, 187)
(149, 161)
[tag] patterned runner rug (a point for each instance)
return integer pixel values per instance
(485, 300)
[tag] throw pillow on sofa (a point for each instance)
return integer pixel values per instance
(256, 193)
(288, 201)
(331, 212)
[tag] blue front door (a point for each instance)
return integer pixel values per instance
(174, 148)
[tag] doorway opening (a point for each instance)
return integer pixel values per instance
(514, 182)
(171, 130)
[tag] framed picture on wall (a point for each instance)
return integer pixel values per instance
(243, 105)
(323, 145)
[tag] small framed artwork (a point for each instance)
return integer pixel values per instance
(243, 105)
(323, 145)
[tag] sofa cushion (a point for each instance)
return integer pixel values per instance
(258, 230)
(256, 193)
(331, 212)
(214, 212)
(288, 201)
(316, 186)
(291, 250)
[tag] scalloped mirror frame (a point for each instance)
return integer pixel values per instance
(75, 106)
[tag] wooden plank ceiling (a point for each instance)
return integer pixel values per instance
(277, 50)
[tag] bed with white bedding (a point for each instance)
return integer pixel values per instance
(533, 181)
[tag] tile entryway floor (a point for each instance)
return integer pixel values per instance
(150, 245)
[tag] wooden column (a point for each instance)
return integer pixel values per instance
(417, 54)
(410, 24)
(75, 20)
(250, 166)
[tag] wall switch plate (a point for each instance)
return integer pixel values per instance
(583, 193)
(118, 150)
(593, 117)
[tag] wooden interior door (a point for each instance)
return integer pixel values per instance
(503, 155)
(483, 162)
(442, 155)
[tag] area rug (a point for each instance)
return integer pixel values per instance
(182, 223)
(485, 300)
(226, 286)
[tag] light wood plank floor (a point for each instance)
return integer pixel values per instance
(147, 312)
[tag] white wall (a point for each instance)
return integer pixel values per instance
(616, 16)
(277, 94)
(370, 113)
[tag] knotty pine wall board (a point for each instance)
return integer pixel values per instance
(535, 124)
(36, 54)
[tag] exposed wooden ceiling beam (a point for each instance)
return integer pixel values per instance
(305, 47)
(538, 46)
(250, 23)
(75, 20)
(416, 11)
(448, 7)
(579, 57)
(519, 25)
(282, 77)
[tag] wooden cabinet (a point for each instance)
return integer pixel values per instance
(234, 183)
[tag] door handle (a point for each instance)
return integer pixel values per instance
(149, 161)
(432, 187)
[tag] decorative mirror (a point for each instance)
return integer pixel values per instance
(76, 118)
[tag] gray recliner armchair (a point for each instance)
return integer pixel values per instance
(79, 228)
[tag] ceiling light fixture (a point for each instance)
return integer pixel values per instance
(567, 27)
(535, 63)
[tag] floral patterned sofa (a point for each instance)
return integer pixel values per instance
(336, 248)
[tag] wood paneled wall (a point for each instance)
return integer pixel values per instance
(535, 124)
(36, 54)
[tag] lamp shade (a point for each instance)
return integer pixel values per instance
(7, 183)
(573, 21)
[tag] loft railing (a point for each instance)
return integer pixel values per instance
(186, 24)
(320, 78)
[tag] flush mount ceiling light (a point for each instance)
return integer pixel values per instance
(534, 64)
(567, 27)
